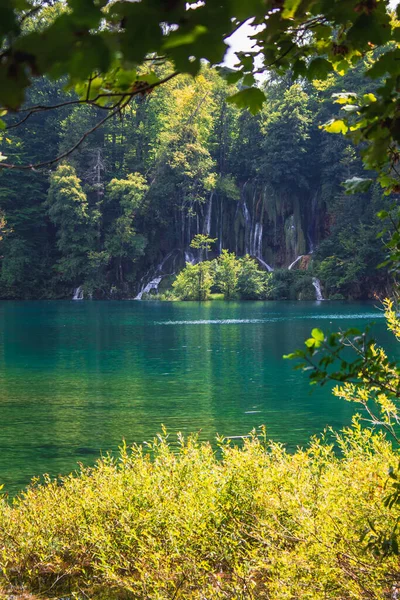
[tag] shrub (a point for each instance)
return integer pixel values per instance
(160, 522)
(194, 282)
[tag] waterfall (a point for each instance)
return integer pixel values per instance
(220, 228)
(207, 222)
(247, 228)
(78, 293)
(189, 257)
(310, 244)
(290, 267)
(157, 276)
(256, 244)
(152, 285)
(265, 265)
(318, 292)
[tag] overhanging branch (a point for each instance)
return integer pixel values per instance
(118, 107)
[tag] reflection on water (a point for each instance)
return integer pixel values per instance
(77, 378)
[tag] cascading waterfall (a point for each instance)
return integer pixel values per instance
(207, 221)
(310, 244)
(312, 224)
(255, 240)
(290, 267)
(152, 285)
(318, 292)
(247, 228)
(189, 257)
(157, 277)
(78, 293)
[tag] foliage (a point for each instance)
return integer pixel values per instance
(194, 282)
(226, 274)
(369, 378)
(124, 198)
(365, 373)
(348, 261)
(183, 162)
(202, 243)
(232, 276)
(109, 53)
(291, 285)
(252, 284)
(69, 210)
(256, 523)
(286, 125)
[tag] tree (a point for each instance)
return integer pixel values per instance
(77, 233)
(202, 242)
(123, 199)
(194, 282)
(108, 52)
(226, 274)
(286, 125)
(252, 284)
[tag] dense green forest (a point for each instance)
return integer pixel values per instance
(116, 218)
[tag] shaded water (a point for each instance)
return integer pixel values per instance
(77, 377)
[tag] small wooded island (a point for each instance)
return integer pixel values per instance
(182, 150)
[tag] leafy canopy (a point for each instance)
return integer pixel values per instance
(107, 51)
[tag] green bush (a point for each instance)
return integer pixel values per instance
(231, 276)
(291, 285)
(194, 282)
(161, 522)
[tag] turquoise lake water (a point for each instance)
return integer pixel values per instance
(78, 377)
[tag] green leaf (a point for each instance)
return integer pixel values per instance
(231, 77)
(369, 29)
(289, 8)
(184, 38)
(249, 80)
(382, 214)
(8, 22)
(251, 98)
(368, 98)
(318, 335)
(389, 62)
(319, 68)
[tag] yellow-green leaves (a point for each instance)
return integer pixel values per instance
(289, 8)
(336, 126)
(316, 339)
(176, 38)
(254, 517)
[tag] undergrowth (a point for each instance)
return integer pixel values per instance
(157, 523)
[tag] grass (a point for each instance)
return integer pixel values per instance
(161, 523)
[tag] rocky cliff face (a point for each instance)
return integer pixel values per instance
(276, 230)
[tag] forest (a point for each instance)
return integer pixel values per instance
(165, 450)
(116, 218)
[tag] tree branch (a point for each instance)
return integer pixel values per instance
(93, 102)
(121, 104)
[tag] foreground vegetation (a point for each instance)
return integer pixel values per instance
(260, 523)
